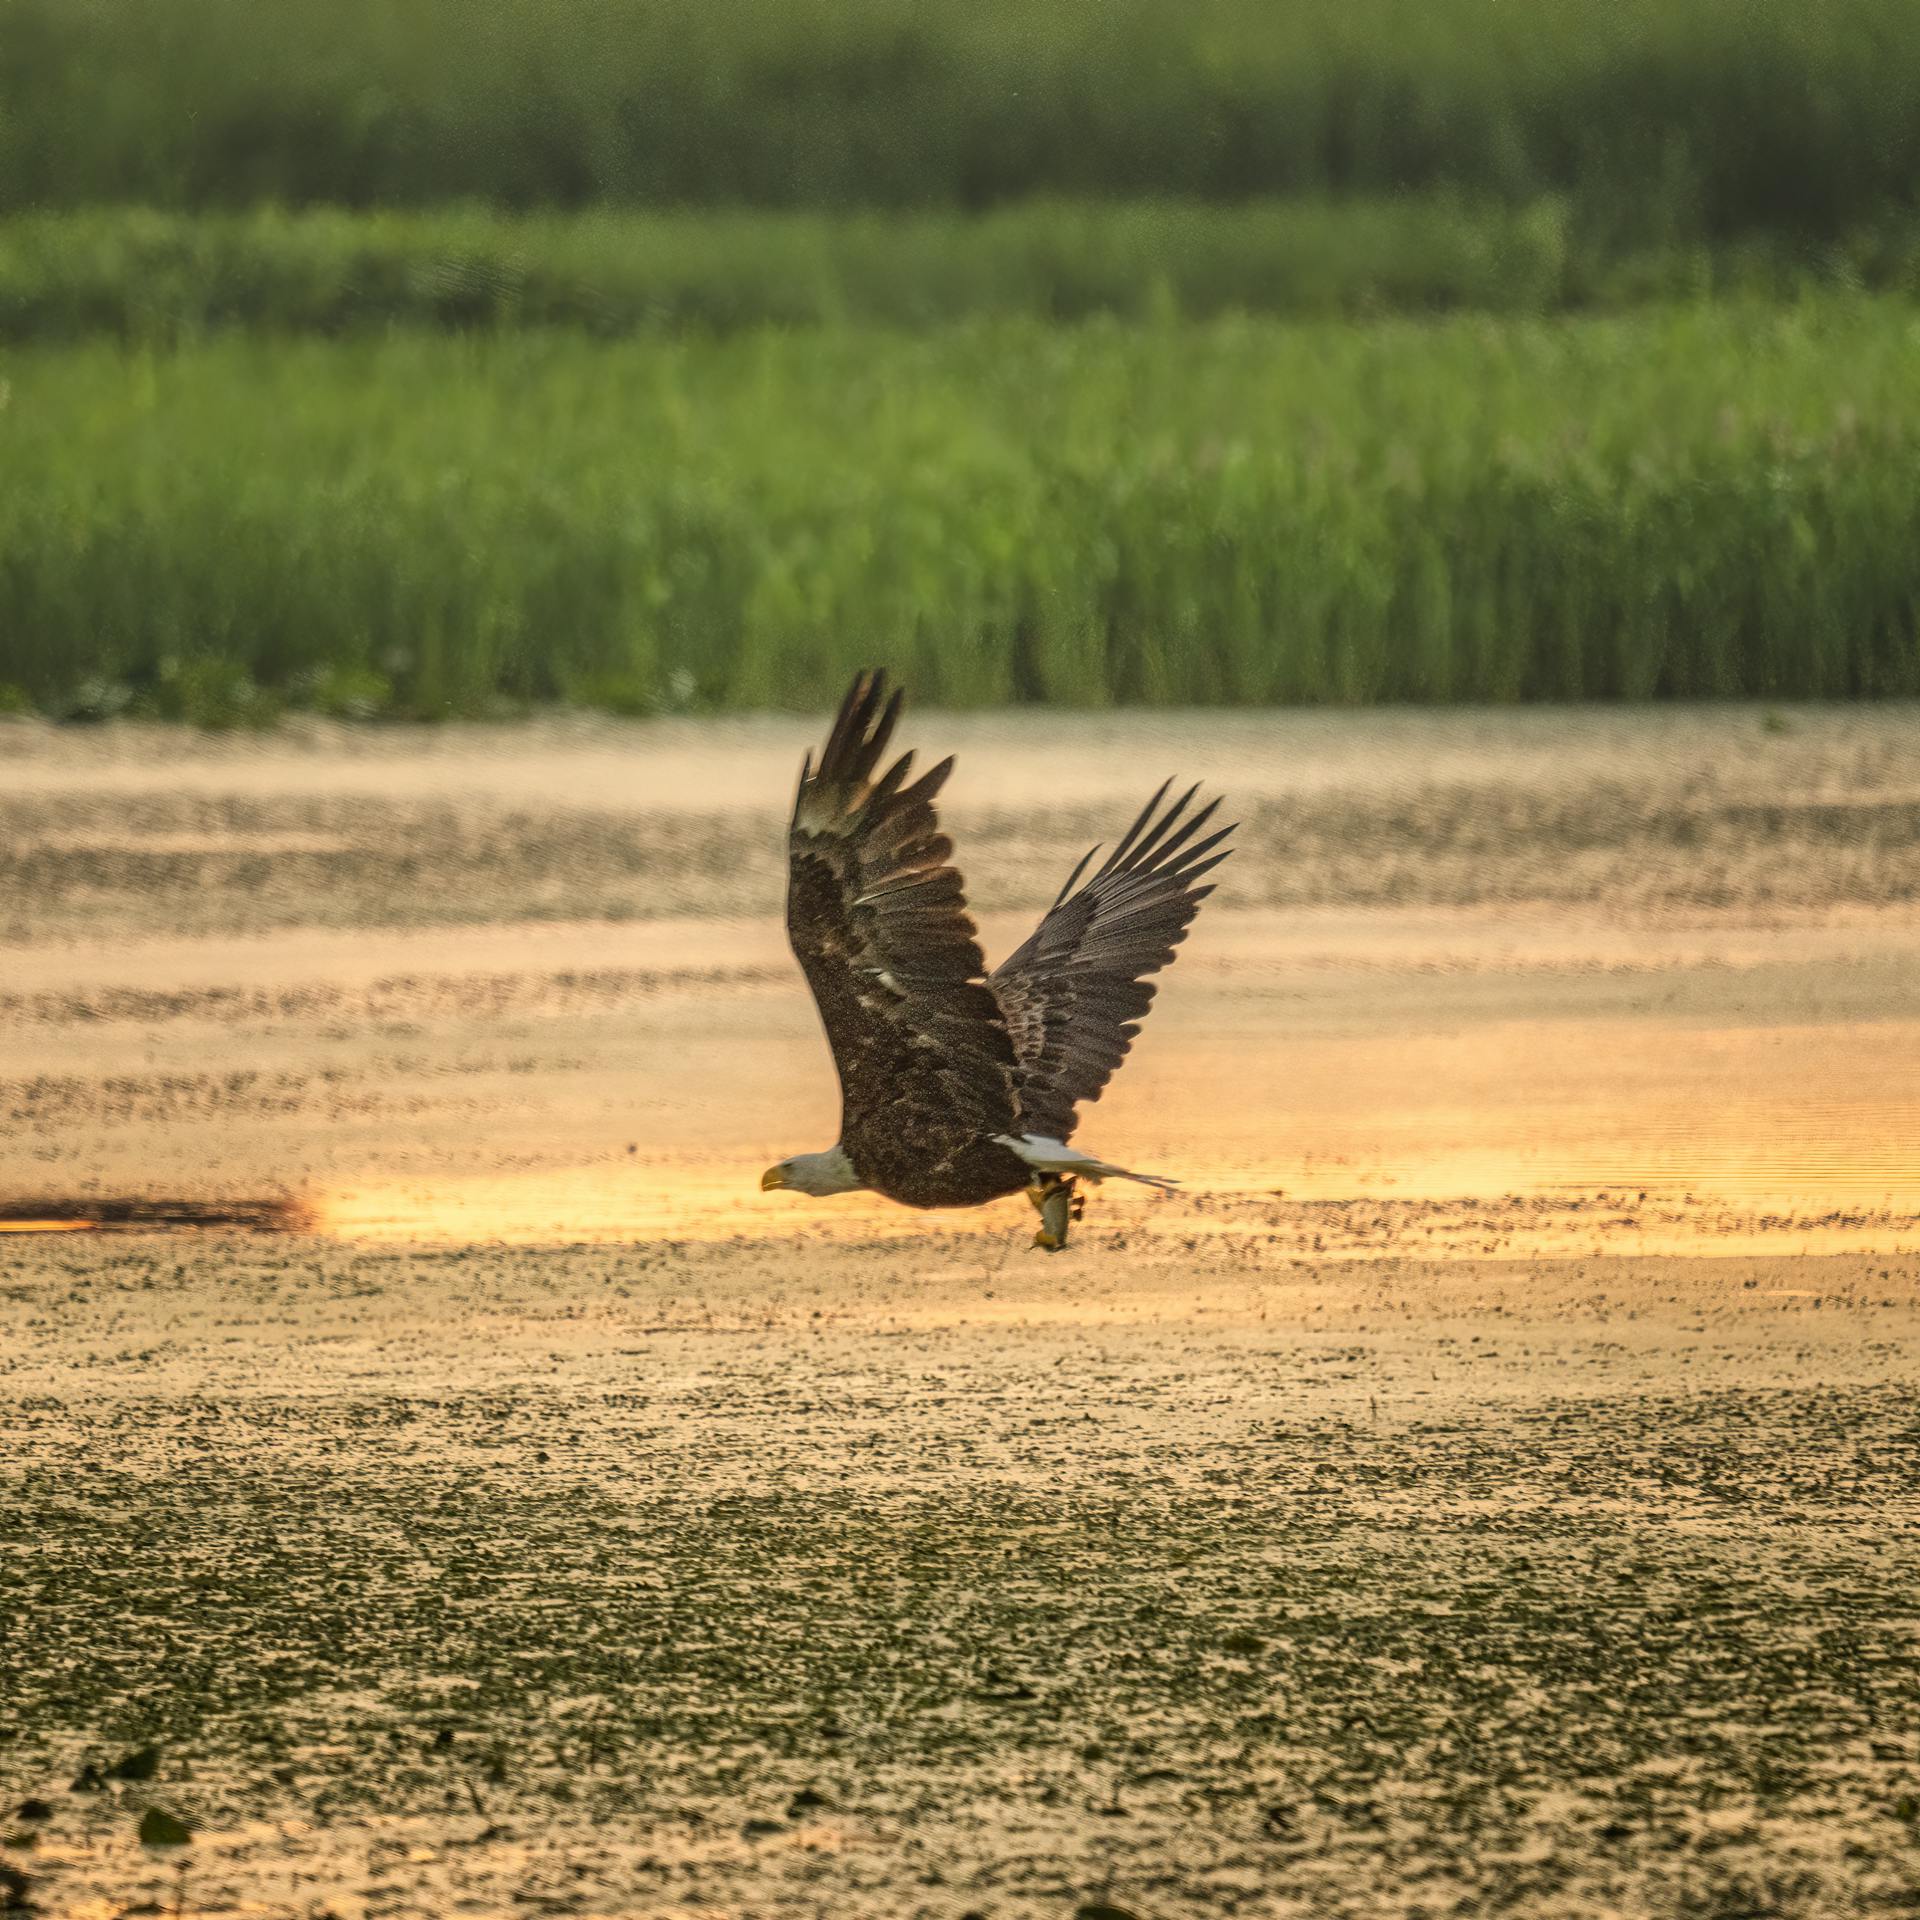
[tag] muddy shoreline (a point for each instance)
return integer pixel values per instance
(1489, 1487)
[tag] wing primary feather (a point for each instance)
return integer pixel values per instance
(1074, 876)
(850, 725)
(1162, 826)
(929, 783)
(856, 742)
(1167, 848)
(1127, 839)
(883, 731)
(1190, 854)
(889, 782)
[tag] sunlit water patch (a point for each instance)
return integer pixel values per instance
(1330, 1212)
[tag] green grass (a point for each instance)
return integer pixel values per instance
(145, 274)
(1698, 502)
(1716, 117)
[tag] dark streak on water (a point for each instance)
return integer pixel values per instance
(124, 1214)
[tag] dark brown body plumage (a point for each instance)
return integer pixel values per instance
(936, 1056)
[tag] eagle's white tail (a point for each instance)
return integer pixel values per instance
(1055, 1156)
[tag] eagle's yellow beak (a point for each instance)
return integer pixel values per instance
(773, 1177)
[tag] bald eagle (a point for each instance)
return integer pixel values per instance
(958, 1085)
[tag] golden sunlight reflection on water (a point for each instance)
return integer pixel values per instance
(1458, 1207)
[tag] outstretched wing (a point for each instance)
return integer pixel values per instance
(1074, 995)
(880, 926)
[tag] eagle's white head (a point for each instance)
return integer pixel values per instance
(815, 1173)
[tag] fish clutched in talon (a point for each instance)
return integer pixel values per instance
(1057, 1201)
(958, 1085)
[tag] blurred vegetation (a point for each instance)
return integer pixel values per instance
(426, 357)
(142, 274)
(1702, 501)
(1710, 119)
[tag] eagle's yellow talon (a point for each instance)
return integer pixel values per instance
(1046, 1242)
